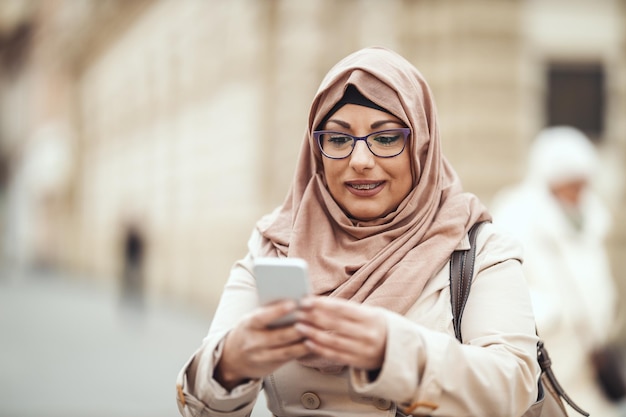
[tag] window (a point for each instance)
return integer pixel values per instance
(576, 97)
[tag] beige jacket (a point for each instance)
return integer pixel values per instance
(426, 370)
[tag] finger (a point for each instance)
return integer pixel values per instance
(251, 335)
(278, 356)
(265, 315)
(343, 350)
(256, 362)
(341, 330)
(281, 336)
(340, 318)
(334, 308)
(372, 345)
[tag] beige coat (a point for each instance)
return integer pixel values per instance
(492, 374)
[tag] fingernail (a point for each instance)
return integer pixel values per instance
(306, 302)
(302, 328)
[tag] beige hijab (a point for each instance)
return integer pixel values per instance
(385, 262)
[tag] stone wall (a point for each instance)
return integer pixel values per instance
(186, 117)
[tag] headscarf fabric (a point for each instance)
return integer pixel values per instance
(387, 261)
(561, 154)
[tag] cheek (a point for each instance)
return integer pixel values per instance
(330, 171)
(404, 187)
(403, 173)
(325, 171)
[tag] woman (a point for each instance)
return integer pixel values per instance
(376, 211)
(562, 225)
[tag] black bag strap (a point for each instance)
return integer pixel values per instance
(461, 274)
(546, 367)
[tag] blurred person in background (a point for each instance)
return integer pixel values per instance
(376, 211)
(562, 224)
(134, 251)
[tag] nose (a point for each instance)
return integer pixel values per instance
(361, 157)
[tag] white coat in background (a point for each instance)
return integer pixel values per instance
(565, 260)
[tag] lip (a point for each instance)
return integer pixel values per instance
(368, 188)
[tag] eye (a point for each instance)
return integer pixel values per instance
(387, 138)
(338, 139)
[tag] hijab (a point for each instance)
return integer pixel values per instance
(387, 261)
(561, 154)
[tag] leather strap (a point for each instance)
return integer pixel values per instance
(461, 273)
(546, 367)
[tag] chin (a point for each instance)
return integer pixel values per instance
(364, 216)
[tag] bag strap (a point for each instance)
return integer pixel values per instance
(546, 367)
(461, 273)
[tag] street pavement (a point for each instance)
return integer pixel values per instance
(69, 347)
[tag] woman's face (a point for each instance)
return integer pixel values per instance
(365, 186)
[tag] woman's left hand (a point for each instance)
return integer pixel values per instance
(343, 332)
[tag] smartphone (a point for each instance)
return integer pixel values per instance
(280, 279)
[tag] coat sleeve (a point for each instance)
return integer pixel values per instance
(198, 393)
(493, 373)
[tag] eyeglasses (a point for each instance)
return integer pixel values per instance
(384, 144)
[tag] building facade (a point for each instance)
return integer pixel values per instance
(181, 121)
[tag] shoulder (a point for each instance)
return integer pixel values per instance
(495, 245)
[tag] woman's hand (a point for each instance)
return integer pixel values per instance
(253, 350)
(343, 332)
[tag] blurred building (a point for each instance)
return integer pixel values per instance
(181, 120)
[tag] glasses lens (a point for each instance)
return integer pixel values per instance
(335, 145)
(387, 143)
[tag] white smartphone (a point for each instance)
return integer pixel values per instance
(280, 279)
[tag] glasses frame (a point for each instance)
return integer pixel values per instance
(318, 133)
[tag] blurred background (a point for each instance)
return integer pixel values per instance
(140, 140)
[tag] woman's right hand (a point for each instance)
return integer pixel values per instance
(252, 349)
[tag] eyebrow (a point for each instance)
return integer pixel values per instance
(373, 125)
